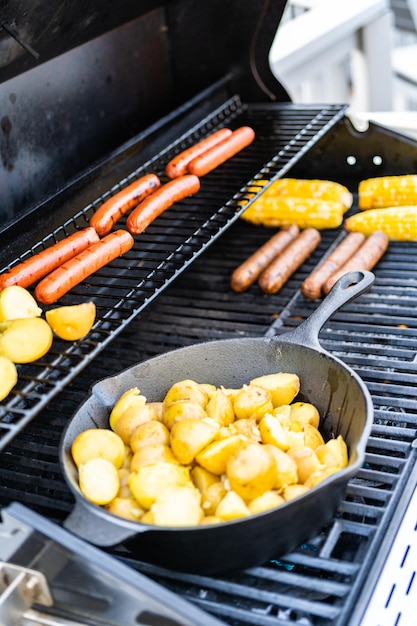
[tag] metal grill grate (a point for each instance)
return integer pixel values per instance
(319, 583)
(125, 287)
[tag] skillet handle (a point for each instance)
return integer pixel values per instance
(94, 528)
(346, 289)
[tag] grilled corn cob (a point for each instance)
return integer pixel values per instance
(304, 212)
(398, 223)
(311, 188)
(387, 191)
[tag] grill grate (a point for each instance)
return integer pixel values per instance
(320, 582)
(125, 287)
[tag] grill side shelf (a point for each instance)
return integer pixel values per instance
(124, 288)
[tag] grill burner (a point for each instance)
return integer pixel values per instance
(320, 582)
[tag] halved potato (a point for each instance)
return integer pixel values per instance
(99, 480)
(25, 340)
(8, 376)
(17, 303)
(72, 322)
(98, 443)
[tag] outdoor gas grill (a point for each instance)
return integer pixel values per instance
(93, 96)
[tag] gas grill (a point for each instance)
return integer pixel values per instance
(172, 290)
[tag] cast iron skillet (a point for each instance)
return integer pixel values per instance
(340, 395)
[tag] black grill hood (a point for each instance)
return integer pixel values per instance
(78, 79)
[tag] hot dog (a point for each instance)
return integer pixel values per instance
(285, 264)
(312, 285)
(246, 274)
(178, 165)
(221, 152)
(116, 206)
(160, 201)
(365, 258)
(79, 267)
(39, 265)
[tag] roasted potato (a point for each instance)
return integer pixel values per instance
(190, 435)
(148, 482)
(283, 387)
(251, 471)
(17, 303)
(99, 480)
(72, 322)
(98, 443)
(131, 397)
(8, 376)
(25, 340)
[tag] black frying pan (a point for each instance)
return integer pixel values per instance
(340, 395)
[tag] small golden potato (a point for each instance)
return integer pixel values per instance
(209, 519)
(273, 432)
(130, 419)
(182, 409)
(312, 436)
(147, 483)
(214, 457)
(127, 508)
(268, 500)
(189, 436)
(98, 443)
(153, 453)
(282, 386)
(25, 340)
(252, 402)
(212, 496)
(178, 505)
(8, 376)
(285, 467)
(251, 471)
(72, 322)
(305, 413)
(202, 478)
(321, 474)
(99, 480)
(220, 408)
(333, 453)
(158, 410)
(17, 303)
(186, 390)
(289, 492)
(283, 414)
(149, 433)
(248, 428)
(231, 507)
(131, 397)
(306, 460)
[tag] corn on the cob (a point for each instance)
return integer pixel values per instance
(387, 191)
(398, 223)
(310, 188)
(304, 212)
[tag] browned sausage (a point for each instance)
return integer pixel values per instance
(116, 206)
(365, 258)
(71, 273)
(39, 265)
(160, 201)
(178, 165)
(221, 152)
(246, 274)
(285, 264)
(312, 285)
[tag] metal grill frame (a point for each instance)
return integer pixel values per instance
(126, 286)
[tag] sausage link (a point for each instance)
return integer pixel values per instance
(164, 197)
(79, 267)
(178, 165)
(312, 285)
(285, 264)
(119, 204)
(221, 152)
(39, 265)
(246, 274)
(368, 255)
